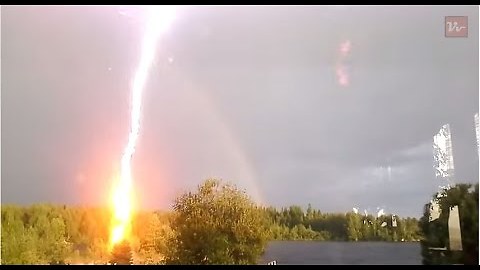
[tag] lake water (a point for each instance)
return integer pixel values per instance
(314, 252)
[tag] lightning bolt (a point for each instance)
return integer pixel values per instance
(157, 22)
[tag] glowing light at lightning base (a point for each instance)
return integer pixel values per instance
(157, 22)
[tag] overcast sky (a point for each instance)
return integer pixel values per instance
(245, 94)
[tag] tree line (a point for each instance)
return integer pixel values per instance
(52, 234)
(293, 223)
(216, 224)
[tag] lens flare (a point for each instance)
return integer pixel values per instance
(343, 77)
(158, 19)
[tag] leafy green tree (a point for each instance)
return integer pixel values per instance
(310, 213)
(19, 244)
(153, 232)
(295, 216)
(217, 225)
(354, 227)
(465, 196)
(58, 248)
(52, 244)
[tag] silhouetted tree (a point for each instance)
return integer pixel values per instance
(122, 254)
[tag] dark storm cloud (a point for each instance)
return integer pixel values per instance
(260, 79)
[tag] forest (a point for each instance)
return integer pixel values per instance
(61, 234)
(294, 223)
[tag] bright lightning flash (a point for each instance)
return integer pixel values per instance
(157, 22)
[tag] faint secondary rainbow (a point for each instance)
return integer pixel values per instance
(235, 149)
(158, 19)
(243, 173)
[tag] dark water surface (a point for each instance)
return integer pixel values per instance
(312, 252)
